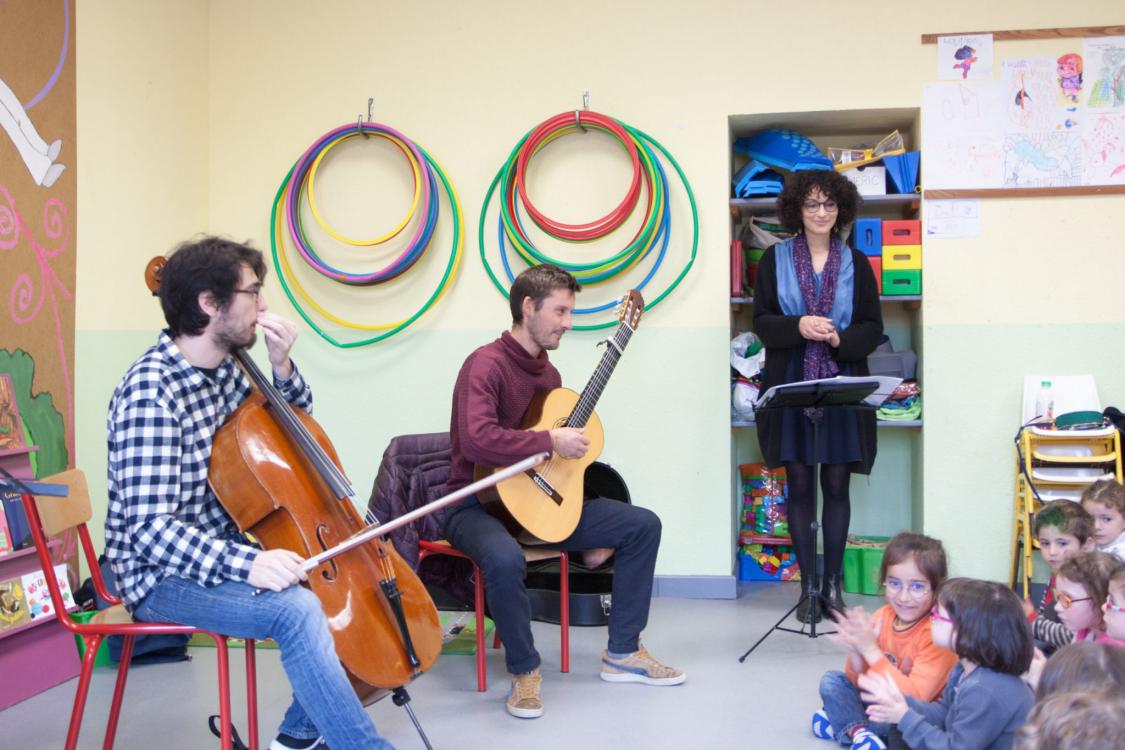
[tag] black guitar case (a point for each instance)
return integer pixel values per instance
(590, 589)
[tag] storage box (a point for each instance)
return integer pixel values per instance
(869, 180)
(902, 257)
(861, 565)
(102, 659)
(868, 236)
(877, 268)
(749, 570)
(902, 282)
(902, 232)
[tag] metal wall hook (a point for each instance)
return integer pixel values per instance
(585, 108)
(359, 118)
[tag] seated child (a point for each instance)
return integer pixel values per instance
(984, 700)
(1105, 501)
(1113, 610)
(1082, 666)
(894, 641)
(1075, 720)
(1063, 529)
(1081, 588)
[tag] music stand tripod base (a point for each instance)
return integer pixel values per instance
(819, 396)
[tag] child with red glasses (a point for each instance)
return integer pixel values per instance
(1063, 529)
(1113, 611)
(894, 641)
(985, 700)
(1081, 588)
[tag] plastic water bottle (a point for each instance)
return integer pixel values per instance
(1045, 402)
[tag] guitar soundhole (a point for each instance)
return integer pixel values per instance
(328, 570)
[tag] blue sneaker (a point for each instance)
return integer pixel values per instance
(821, 727)
(865, 739)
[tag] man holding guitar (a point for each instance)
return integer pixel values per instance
(494, 390)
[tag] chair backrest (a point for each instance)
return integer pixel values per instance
(58, 514)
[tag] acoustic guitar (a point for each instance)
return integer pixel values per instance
(543, 504)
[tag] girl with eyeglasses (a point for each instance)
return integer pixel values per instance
(1081, 588)
(895, 642)
(816, 310)
(985, 699)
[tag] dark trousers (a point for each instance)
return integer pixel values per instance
(634, 534)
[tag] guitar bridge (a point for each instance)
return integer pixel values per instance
(542, 483)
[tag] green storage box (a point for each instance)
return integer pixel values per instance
(902, 282)
(102, 659)
(861, 565)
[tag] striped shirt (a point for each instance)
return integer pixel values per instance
(163, 519)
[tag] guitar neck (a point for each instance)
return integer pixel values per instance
(615, 347)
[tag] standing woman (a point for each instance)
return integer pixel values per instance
(816, 309)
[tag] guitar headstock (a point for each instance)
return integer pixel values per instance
(631, 308)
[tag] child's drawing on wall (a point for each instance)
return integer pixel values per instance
(1070, 79)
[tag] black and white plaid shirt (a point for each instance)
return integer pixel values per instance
(163, 518)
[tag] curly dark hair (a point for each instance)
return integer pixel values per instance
(208, 264)
(835, 187)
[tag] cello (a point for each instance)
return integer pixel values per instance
(278, 476)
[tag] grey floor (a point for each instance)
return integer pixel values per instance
(763, 702)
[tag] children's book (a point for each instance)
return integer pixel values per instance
(38, 596)
(13, 604)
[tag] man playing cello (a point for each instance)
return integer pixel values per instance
(174, 550)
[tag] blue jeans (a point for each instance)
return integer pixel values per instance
(845, 709)
(633, 533)
(324, 703)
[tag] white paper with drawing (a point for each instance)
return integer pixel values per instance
(1103, 73)
(1042, 140)
(963, 135)
(964, 57)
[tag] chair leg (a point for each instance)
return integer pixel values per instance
(478, 605)
(252, 693)
(224, 689)
(92, 643)
(564, 609)
(119, 690)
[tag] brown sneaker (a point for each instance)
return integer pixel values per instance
(639, 666)
(524, 701)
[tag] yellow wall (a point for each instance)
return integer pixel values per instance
(190, 114)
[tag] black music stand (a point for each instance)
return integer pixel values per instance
(819, 395)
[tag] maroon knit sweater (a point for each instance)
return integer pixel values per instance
(493, 390)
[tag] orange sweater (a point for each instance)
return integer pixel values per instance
(910, 658)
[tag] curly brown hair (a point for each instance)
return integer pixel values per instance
(835, 187)
(1108, 492)
(1092, 571)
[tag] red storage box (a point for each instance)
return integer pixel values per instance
(877, 267)
(902, 232)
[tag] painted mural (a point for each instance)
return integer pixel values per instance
(38, 156)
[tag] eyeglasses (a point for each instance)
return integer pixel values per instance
(937, 615)
(1109, 606)
(916, 589)
(255, 293)
(1067, 601)
(812, 206)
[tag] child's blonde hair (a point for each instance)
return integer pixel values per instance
(1092, 571)
(1076, 720)
(1108, 492)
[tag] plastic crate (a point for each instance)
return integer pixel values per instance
(877, 269)
(861, 567)
(902, 282)
(868, 237)
(902, 257)
(102, 659)
(902, 232)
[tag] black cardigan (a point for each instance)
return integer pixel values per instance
(783, 341)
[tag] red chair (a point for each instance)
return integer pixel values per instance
(48, 516)
(442, 547)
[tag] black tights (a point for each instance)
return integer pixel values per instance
(835, 514)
